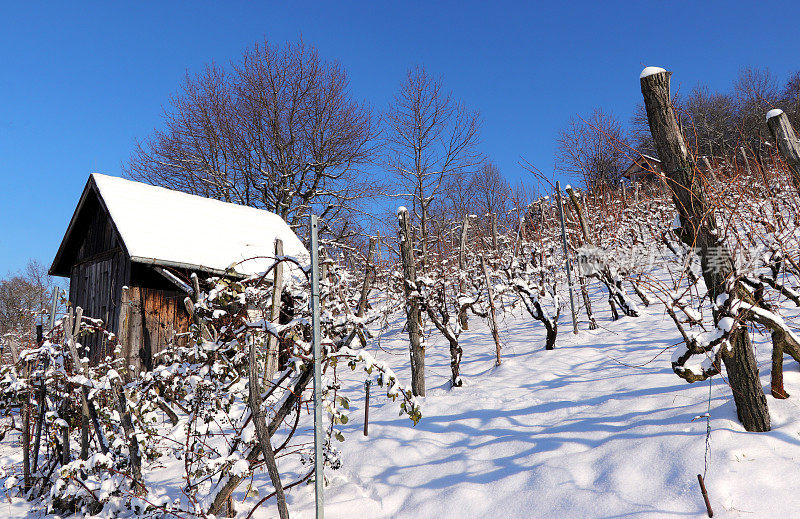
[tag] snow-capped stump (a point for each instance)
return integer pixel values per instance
(786, 139)
(152, 239)
(699, 231)
(649, 71)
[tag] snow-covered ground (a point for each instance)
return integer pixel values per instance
(599, 427)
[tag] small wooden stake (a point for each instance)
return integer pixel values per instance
(705, 496)
(366, 407)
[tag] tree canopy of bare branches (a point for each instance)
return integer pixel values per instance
(279, 130)
(431, 139)
(23, 296)
(593, 149)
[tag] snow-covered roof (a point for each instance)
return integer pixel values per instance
(165, 227)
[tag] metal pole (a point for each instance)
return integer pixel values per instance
(318, 458)
(366, 406)
(566, 257)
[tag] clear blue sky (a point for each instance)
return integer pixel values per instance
(80, 81)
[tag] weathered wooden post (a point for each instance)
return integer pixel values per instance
(786, 140)
(369, 278)
(566, 257)
(492, 311)
(709, 169)
(413, 310)
(462, 265)
(271, 363)
(26, 435)
(51, 319)
(587, 302)
(698, 229)
(494, 231)
(746, 162)
(315, 318)
(42, 402)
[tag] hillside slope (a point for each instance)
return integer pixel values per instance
(599, 427)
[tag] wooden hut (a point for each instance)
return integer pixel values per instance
(644, 169)
(150, 240)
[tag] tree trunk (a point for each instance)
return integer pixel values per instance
(587, 302)
(260, 423)
(232, 482)
(455, 361)
(698, 229)
(130, 434)
(552, 333)
(413, 312)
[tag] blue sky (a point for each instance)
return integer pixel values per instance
(80, 81)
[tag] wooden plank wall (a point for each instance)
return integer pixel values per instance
(155, 317)
(96, 286)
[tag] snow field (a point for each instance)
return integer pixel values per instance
(566, 433)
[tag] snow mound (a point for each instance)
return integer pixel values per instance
(649, 71)
(775, 112)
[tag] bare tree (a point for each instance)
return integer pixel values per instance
(490, 190)
(755, 92)
(709, 125)
(431, 138)
(593, 149)
(23, 297)
(790, 99)
(279, 131)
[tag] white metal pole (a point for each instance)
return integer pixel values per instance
(318, 457)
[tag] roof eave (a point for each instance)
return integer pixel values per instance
(187, 266)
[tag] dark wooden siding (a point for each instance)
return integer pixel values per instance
(96, 286)
(100, 268)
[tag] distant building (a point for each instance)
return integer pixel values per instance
(644, 169)
(151, 239)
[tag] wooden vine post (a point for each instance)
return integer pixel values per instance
(42, 401)
(587, 239)
(492, 311)
(26, 434)
(494, 232)
(698, 229)
(369, 278)
(566, 257)
(413, 310)
(271, 362)
(786, 140)
(462, 265)
(744, 158)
